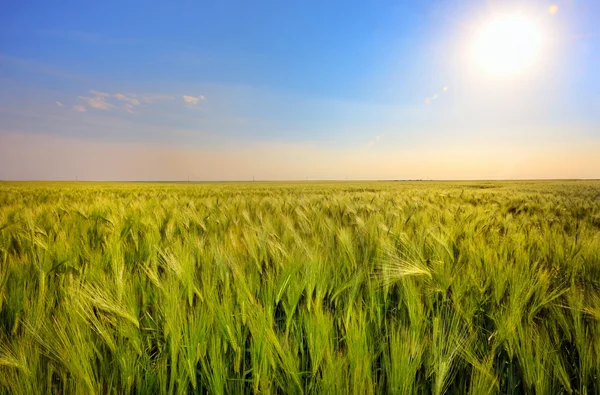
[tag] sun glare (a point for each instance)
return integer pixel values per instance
(507, 46)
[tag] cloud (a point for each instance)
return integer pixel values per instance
(79, 108)
(193, 99)
(97, 102)
(59, 103)
(106, 101)
(131, 99)
(101, 94)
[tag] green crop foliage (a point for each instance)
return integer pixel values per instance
(290, 288)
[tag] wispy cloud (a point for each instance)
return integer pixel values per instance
(106, 101)
(193, 99)
(131, 99)
(101, 94)
(97, 102)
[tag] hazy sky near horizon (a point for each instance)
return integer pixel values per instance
(230, 90)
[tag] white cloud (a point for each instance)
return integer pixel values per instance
(106, 101)
(59, 103)
(101, 94)
(127, 98)
(193, 99)
(97, 102)
(79, 108)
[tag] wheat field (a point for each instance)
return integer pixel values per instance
(291, 288)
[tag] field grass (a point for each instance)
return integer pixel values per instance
(358, 288)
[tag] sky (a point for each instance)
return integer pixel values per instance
(295, 90)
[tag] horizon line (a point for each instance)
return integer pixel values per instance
(302, 180)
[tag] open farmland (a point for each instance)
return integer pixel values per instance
(378, 287)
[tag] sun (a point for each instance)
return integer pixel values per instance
(507, 46)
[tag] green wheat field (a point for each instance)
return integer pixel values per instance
(292, 288)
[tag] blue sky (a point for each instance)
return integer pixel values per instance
(288, 90)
